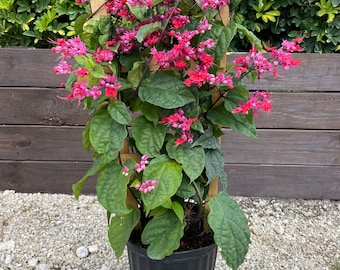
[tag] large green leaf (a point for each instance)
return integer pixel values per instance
(222, 35)
(111, 189)
(118, 111)
(163, 234)
(191, 158)
(166, 91)
(168, 173)
(149, 137)
(230, 227)
(214, 165)
(207, 140)
(120, 230)
(241, 123)
(107, 136)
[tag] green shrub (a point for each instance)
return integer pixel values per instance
(273, 21)
(34, 22)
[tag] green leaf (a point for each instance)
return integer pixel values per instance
(207, 140)
(166, 91)
(186, 189)
(135, 75)
(149, 137)
(214, 165)
(147, 29)
(250, 36)
(163, 234)
(240, 123)
(86, 136)
(107, 136)
(191, 158)
(120, 229)
(118, 111)
(222, 36)
(78, 187)
(150, 112)
(98, 72)
(178, 210)
(84, 61)
(230, 227)
(111, 189)
(168, 173)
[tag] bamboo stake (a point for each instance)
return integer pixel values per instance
(97, 8)
(222, 15)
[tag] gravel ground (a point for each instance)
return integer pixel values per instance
(53, 231)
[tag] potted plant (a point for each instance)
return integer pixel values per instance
(153, 75)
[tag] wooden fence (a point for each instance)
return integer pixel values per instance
(296, 155)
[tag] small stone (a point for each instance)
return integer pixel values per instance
(7, 245)
(42, 266)
(9, 192)
(82, 252)
(279, 230)
(32, 262)
(8, 259)
(93, 249)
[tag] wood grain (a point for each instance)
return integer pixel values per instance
(42, 143)
(39, 106)
(282, 146)
(284, 181)
(44, 176)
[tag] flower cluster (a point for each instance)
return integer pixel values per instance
(147, 186)
(259, 100)
(141, 166)
(180, 121)
(278, 57)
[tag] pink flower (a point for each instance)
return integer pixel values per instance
(82, 72)
(103, 55)
(179, 121)
(147, 186)
(63, 68)
(259, 100)
(111, 85)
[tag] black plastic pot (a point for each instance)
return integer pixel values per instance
(196, 259)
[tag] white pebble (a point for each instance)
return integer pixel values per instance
(7, 245)
(93, 249)
(32, 262)
(42, 266)
(82, 252)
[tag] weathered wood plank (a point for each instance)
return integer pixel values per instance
(294, 147)
(35, 66)
(52, 177)
(302, 111)
(28, 67)
(39, 106)
(42, 143)
(271, 147)
(299, 182)
(316, 182)
(318, 72)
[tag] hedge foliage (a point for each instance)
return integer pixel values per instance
(34, 22)
(273, 21)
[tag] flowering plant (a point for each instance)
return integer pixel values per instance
(154, 78)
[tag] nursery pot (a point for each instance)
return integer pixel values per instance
(197, 259)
